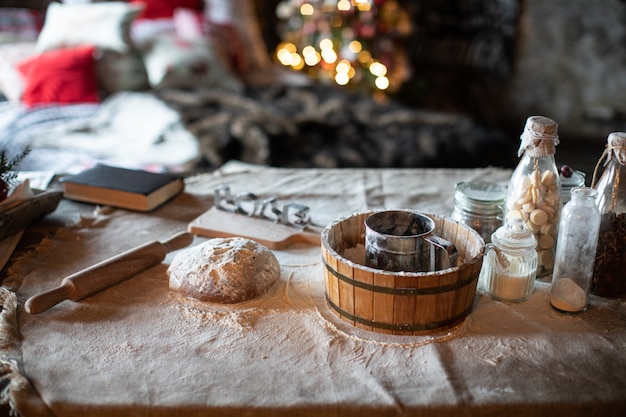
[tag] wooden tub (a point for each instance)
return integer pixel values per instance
(402, 303)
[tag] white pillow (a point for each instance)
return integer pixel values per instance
(142, 30)
(174, 62)
(11, 81)
(105, 25)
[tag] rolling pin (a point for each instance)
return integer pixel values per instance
(107, 273)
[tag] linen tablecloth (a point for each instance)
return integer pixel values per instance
(140, 349)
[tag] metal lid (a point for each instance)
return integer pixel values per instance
(480, 197)
(575, 180)
(514, 235)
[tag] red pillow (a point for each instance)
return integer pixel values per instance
(159, 9)
(66, 75)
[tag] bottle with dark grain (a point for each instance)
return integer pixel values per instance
(609, 279)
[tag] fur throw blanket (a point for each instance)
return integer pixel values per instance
(327, 127)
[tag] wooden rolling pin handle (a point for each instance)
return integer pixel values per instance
(178, 241)
(107, 273)
(44, 301)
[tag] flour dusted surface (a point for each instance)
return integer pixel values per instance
(228, 270)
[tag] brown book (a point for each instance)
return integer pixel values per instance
(122, 187)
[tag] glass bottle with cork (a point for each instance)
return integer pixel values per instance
(609, 279)
(534, 191)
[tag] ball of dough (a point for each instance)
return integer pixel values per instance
(228, 270)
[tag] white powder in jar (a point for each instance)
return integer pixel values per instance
(515, 283)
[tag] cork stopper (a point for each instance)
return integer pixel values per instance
(616, 146)
(540, 137)
(542, 125)
(617, 139)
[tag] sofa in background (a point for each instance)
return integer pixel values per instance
(190, 85)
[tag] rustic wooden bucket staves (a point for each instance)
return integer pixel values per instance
(402, 303)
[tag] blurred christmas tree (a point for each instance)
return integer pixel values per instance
(354, 43)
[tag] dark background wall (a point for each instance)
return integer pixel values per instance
(502, 61)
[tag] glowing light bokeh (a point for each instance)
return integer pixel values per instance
(339, 55)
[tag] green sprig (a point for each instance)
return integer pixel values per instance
(7, 166)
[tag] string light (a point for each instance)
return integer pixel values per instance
(344, 5)
(307, 9)
(296, 61)
(311, 56)
(332, 39)
(355, 46)
(378, 69)
(284, 53)
(326, 44)
(382, 83)
(343, 66)
(363, 5)
(342, 78)
(329, 55)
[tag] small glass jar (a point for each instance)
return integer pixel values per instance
(510, 264)
(534, 192)
(575, 251)
(609, 279)
(479, 205)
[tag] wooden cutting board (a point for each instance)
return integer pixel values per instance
(221, 223)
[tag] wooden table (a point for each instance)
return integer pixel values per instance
(140, 349)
